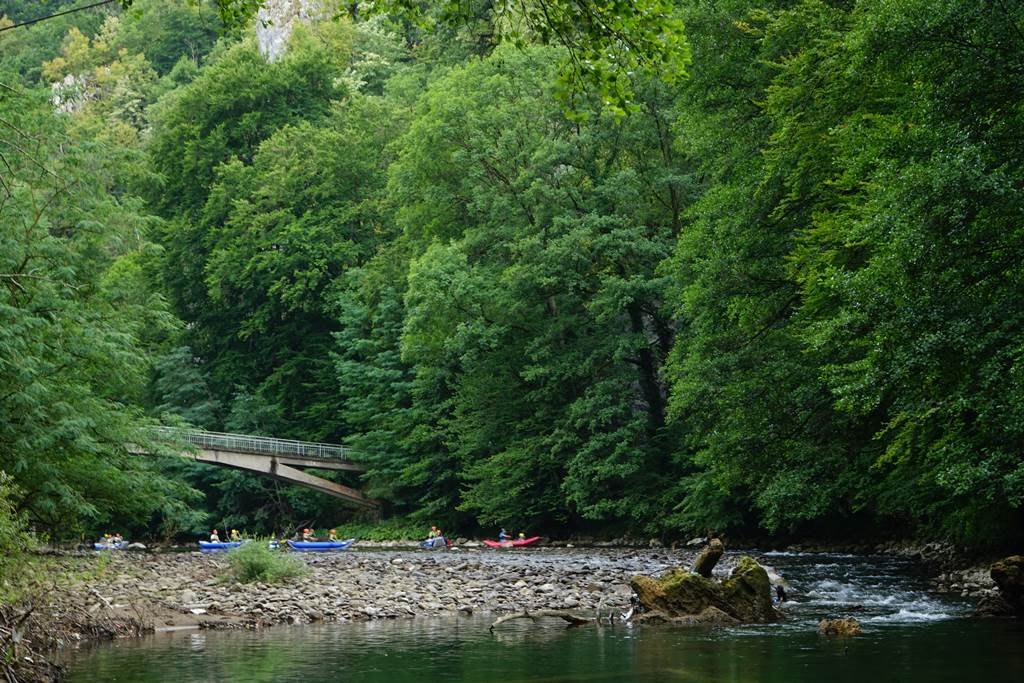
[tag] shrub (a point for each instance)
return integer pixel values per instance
(394, 529)
(254, 561)
(14, 540)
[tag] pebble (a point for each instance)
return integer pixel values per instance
(380, 584)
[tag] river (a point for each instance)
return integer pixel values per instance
(910, 635)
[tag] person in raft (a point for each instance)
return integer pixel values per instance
(434, 532)
(214, 537)
(503, 535)
(332, 535)
(118, 538)
(235, 536)
(307, 534)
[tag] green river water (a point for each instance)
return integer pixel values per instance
(910, 636)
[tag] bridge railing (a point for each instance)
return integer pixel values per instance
(262, 445)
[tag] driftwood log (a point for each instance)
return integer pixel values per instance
(573, 619)
(708, 558)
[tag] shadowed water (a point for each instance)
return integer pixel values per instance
(910, 635)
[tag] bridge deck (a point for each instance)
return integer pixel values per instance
(260, 445)
(277, 458)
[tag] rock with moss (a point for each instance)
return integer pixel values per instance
(847, 626)
(709, 616)
(1008, 575)
(681, 596)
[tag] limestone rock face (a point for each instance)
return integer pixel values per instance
(744, 597)
(1008, 574)
(275, 21)
(839, 627)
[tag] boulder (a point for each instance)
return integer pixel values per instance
(1008, 574)
(745, 596)
(711, 616)
(708, 558)
(847, 626)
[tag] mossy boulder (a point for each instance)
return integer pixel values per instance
(711, 616)
(847, 626)
(1008, 574)
(745, 596)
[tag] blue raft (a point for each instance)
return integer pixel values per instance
(321, 545)
(216, 546)
(110, 546)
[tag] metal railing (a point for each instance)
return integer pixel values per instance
(261, 445)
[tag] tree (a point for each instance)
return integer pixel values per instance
(69, 357)
(605, 41)
(533, 318)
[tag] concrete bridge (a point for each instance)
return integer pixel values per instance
(277, 458)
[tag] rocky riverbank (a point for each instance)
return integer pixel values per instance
(111, 594)
(175, 590)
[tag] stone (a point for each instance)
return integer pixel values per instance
(847, 626)
(696, 542)
(1008, 575)
(745, 595)
(708, 558)
(710, 616)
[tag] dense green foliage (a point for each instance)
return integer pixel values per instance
(75, 317)
(535, 275)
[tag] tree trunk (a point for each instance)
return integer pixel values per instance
(708, 558)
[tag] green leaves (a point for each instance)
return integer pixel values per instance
(70, 355)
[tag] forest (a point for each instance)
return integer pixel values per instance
(574, 266)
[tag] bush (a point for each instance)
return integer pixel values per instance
(394, 529)
(254, 561)
(14, 540)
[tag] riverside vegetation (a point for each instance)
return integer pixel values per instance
(761, 276)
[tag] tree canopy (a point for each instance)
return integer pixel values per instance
(550, 265)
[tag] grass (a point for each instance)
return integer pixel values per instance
(254, 561)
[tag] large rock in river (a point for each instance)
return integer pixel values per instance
(681, 595)
(1008, 574)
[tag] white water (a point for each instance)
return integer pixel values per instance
(874, 590)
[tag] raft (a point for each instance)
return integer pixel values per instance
(111, 546)
(321, 545)
(213, 546)
(517, 543)
(435, 543)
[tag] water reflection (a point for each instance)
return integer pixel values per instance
(464, 650)
(910, 636)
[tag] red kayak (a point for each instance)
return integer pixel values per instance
(517, 543)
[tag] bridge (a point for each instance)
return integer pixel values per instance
(281, 459)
